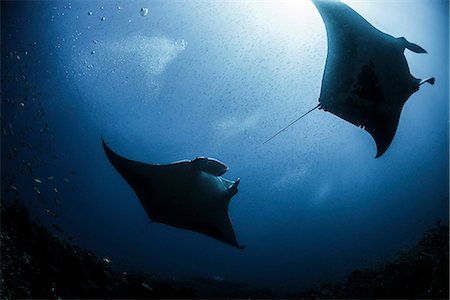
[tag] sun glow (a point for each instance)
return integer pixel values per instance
(287, 14)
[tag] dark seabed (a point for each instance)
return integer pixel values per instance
(164, 81)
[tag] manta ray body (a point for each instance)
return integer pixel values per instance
(189, 194)
(366, 80)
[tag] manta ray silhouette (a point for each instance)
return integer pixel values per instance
(189, 194)
(366, 80)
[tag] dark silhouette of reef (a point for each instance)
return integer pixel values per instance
(420, 273)
(36, 264)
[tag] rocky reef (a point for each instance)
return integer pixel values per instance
(36, 264)
(420, 273)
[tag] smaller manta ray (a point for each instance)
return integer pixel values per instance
(366, 80)
(189, 194)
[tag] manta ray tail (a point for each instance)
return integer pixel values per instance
(292, 123)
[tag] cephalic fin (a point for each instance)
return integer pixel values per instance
(411, 46)
(429, 80)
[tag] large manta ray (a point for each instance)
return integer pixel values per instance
(366, 79)
(187, 194)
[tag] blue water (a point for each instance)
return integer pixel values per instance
(217, 78)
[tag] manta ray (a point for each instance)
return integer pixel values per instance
(366, 80)
(188, 194)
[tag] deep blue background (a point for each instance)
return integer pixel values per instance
(216, 79)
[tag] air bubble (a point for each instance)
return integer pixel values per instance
(144, 11)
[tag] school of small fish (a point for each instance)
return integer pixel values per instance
(27, 141)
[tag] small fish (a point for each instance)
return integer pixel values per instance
(37, 180)
(38, 192)
(14, 188)
(50, 177)
(55, 190)
(52, 213)
(10, 129)
(66, 179)
(57, 227)
(106, 260)
(28, 164)
(146, 286)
